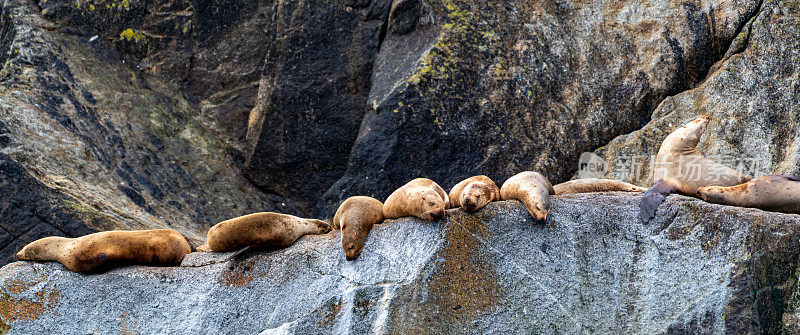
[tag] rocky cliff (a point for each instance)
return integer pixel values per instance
(179, 113)
(132, 114)
(590, 268)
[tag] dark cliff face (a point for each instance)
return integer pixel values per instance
(312, 95)
(101, 118)
(466, 88)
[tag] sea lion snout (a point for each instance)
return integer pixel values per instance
(702, 120)
(469, 205)
(351, 253)
(437, 214)
(706, 192)
(539, 214)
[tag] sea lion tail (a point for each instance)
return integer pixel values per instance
(652, 199)
(192, 247)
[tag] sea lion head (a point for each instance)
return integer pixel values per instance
(689, 134)
(431, 204)
(539, 210)
(710, 193)
(355, 217)
(37, 250)
(353, 239)
(474, 197)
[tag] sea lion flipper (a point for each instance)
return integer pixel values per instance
(653, 198)
(237, 253)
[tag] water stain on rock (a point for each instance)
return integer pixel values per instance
(241, 273)
(462, 284)
(328, 312)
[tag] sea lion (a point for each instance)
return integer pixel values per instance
(588, 185)
(355, 217)
(102, 251)
(473, 193)
(420, 197)
(680, 167)
(533, 189)
(777, 193)
(204, 248)
(262, 230)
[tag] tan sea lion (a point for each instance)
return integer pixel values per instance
(777, 193)
(102, 251)
(473, 193)
(588, 185)
(680, 167)
(268, 230)
(355, 217)
(533, 189)
(204, 248)
(420, 197)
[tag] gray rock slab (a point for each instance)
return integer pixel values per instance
(590, 268)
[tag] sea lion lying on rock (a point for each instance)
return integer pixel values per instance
(533, 189)
(102, 251)
(681, 168)
(355, 217)
(269, 230)
(775, 193)
(420, 197)
(588, 185)
(473, 193)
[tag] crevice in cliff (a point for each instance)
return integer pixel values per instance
(739, 43)
(381, 36)
(187, 79)
(7, 35)
(720, 57)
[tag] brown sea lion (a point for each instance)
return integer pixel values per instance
(473, 193)
(680, 167)
(102, 251)
(420, 197)
(355, 217)
(777, 193)
(533, 189)
(588, 185)
(267, 230)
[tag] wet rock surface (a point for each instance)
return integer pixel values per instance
(590, 268)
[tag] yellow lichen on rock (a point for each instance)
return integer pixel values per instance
(14, 309)
(131, 35)
(108, 4)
